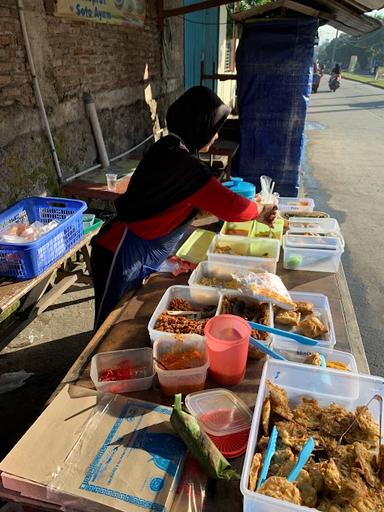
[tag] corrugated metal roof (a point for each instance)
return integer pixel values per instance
(345, 15)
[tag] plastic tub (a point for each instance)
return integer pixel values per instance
(237, 228)
(227, 339)
(302, 380)
(180, 381)
(308, 224)
(251, 253)
(219, 411)
(262, 230)
(297, 353)
(194, 249)
(219, 271)
(136, 358)
(301, 241)
(198, 296)
(296, 204)
(313, 260)
(321, 309)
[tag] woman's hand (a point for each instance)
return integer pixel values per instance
(268, 213)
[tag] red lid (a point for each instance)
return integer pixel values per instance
(232, 445)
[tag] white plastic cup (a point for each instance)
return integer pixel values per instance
(111, 182)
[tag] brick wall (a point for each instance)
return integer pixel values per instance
(131, 74)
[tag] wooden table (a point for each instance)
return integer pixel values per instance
(82, 189)
(126, 327)
(33, 296)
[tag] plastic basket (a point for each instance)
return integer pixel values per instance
(24, 261)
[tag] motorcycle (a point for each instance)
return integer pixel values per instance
(334, 83)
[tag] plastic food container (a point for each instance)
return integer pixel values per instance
(213, 270)
(198, 296)
(227, 339)
(301, 241)
(261, 230)
(312, 259)
(311, 225)
(180, 381)
(296, 204)
(344, 388)
(251, 253)
(321, 309)
(298, 353)
(139, 359)
(88, 220)
(237, 228)
(194, 249)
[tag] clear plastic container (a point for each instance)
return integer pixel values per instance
(298, 353)
(213, 270)
(321, 309)
(180, 381)
(310, 225)
(313, 260)
(263, 231)
(88, 220)
(139, 359)
(301, 241)
(252, 253)
(198, 296)
(296, 204)
(344, 388)
(237, 228)
(219, 411)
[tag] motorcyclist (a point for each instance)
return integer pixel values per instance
(336, 71)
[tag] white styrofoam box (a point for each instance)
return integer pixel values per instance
(313, 260)
(198, 295)
(300, 380)
(137, 357)
(296, 204)
(234, 293)
(322, 310)
(308, 224)
(213, 269)
(297, 353)
(251, 252)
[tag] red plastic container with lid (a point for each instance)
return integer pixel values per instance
(227, 339)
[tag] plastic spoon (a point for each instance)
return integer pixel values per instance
(279, 332)
(304, 455)
(271, 449)
(266, 349)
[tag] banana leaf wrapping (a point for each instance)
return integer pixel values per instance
(199, 444)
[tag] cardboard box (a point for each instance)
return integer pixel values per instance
(92, 451)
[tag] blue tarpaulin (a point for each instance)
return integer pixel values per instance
(274, 63)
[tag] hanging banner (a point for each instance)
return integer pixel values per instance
(116, 12)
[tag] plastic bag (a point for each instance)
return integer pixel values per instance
(191, 491)
(265, 287)
(19, 233)
(200, 445)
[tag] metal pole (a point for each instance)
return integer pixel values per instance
(334, 49)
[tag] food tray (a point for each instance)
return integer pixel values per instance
(252, 252)
(313, 260)
(138, 356)
(302, 241)
(180, 381)
(261, 230)
(24, 261)
(199, 295)
(344, 388)
(96, 225)
(220, 271)
(194, 249)
(296, 204)
(297, 353)
(248, 300)
(245, 227)
(322, 310)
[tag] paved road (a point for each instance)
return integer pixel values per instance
(344, 170)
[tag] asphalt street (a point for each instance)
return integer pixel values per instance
(344, 172)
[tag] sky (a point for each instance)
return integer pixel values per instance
(328, 33)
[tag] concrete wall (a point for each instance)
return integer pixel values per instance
(132, 73)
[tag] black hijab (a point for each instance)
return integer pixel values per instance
(169, 173)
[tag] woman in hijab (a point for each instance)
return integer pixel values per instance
(168, 188)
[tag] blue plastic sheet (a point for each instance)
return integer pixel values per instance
(274, 63)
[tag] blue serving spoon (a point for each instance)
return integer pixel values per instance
(265, 349)
(279, 332)
(271, 450)
(303, 458)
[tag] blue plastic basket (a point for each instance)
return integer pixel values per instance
(24, 261)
